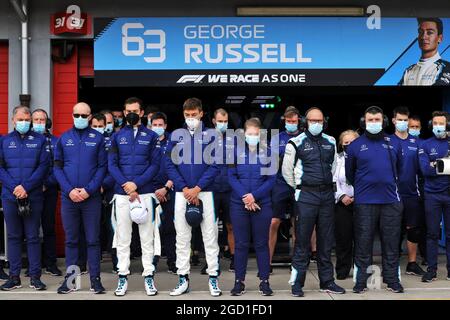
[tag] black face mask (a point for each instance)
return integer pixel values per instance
(132, 118)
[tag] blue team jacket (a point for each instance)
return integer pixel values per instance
(134, 159)
(80, 161)
(430, 150)
(221, 183)
(161, 177)
(23, 161)
(50, 145)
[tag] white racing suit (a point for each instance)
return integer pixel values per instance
(427, 72)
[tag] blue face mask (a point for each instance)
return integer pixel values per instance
(315, 128)
(39, 127)
(109, 128)
(100, 130)
(22, 126)
(80, 123)
(439, 131)
(252, 140)
(401, 126)
(414, 132)
(222, 126)
(158, 130)
(291, 127)
(374, 127)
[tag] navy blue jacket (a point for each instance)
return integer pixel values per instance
(221, 183)
(50, 145)
(408, 185)
(245, 175)
(108, 181)
(430, 150)
(134, 159)
(368, 167)
(80, 161)
(197, 170)
(23, 161)
(161, 177)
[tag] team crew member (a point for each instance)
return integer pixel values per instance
(193, 180)
(42, 124)
(118, 120)
(371, 166)
(308, 166)
(431, 69)
(344, 210)
(251, 207)
(133, 161)
(221, 187)
(283, 201)
(165, 192)
(437, 197)
(80, 167)
(413, 211)
(414, 127)
(24, 165)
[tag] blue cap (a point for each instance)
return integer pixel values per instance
(194, 214)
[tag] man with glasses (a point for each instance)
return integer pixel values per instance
(80, 167)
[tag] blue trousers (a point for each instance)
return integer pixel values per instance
(17, 227)
(247, 224)
(436, 206)
(89, 214)
(167, 229)
(48, 221)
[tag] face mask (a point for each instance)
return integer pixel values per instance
(414, 132)
(118, 122)
(109, 128)
(132, 118)
(401, 126)
(222, 126)
(39, 127)
(252, 140)
(315, 128)
(291, 127)
(22, 126)
(101, 130)
(439, 131)
(374, 127)
(80, 123)
(158, 130)
(192, 123)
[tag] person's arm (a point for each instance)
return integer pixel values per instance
(264, 190)
(350, 165)
(333, 166)
(425, 163)
(113, 163)
(288, 166)
(172, 169)
(339, 190)
(233, 179)
(6, 179)
(58, 169)
(108, 182)
(37, 177)
(96, 181)
(153, 168)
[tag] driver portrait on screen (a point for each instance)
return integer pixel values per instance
(431, 69)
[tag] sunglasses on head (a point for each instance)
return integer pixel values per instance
(77, 115)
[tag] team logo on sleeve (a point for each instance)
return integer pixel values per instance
(91, 135)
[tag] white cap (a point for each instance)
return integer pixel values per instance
(138, 212)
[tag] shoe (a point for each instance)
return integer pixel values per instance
(414, 269)
(182, 286)
(83, 269)
(172, 268)
(332, 287)
(238, 289)
(96, 286)
(424, 262)
(214, 289)
(271, 270)
(195, 260)
(429, 276)
(297, 290)
(359, 288)
(53, 270)
(342, 276)
(313, 257)
(37, 284)
(12, 283)
(231, 269)
(203, 271)
(3, 275)
(149, 284)
(264, 288)
(64, 287)
(448, 276)
(227, 254)
(395, 287)
(122, 286)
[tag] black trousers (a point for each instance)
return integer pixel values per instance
(343, 224)
(367, 218)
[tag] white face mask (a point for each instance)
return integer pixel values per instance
(192, 123)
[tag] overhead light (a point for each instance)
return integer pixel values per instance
(301, 11)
